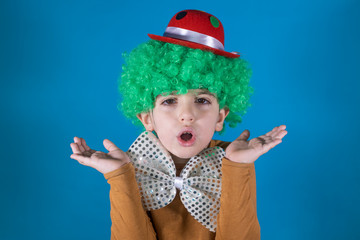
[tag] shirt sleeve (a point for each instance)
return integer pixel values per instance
(129, 219)
(237, 218)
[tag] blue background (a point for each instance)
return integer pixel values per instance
(59, 65)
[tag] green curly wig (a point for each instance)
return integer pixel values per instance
(156, 67)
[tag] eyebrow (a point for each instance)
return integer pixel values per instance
(202, 91)
(205, 91)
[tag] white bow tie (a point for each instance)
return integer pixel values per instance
(199, 182)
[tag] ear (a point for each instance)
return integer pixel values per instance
(146, 120)
(222, 115)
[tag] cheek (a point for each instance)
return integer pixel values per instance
(162, 122)
(157, 118)
(213, 122)
(208, 124)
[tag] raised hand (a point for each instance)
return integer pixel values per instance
(103, 162)
(243, 151)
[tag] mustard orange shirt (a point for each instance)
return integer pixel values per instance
(237, 217)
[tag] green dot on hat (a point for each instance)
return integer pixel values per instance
(214, 22)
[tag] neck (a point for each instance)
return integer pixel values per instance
(179, 163)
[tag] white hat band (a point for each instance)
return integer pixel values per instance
(192, 36)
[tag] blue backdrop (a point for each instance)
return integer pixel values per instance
(59, 65)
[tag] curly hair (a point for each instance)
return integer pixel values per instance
(156, 67)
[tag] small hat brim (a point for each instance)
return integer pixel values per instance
(193, 45)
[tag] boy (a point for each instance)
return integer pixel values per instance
(183, 95)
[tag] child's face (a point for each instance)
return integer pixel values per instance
(186, 123)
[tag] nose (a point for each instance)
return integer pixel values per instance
(186, 114)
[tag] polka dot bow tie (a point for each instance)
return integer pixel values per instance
(199, 182)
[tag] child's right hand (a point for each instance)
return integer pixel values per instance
(103, 162)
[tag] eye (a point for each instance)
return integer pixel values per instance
(169, 101)
(202, 101)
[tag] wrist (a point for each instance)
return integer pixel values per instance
(119, 171)
(238, 160)
(112, 166)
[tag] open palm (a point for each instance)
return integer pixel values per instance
(243, 151)
(103, 162)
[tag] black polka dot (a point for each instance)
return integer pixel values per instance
(180, 15)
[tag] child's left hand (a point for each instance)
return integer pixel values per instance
(243, 151)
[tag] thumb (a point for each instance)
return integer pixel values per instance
(109, 145)
(244, 136)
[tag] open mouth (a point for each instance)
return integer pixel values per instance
(186, 138)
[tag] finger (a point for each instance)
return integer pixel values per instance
(271, 132)
(78, 141)
(269, 139)
(244, 136)
(75, 148)
(276, 130)
(282, 127)
(86, 147)
(109, 145)
(281, 134)
(81, 159)
(83, 143)
(271, 145)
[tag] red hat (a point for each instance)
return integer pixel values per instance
(196, 29)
